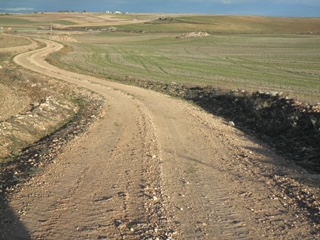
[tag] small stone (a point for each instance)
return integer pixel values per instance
(185, 182)
(231, 123)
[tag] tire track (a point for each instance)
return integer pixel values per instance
(121, 160)
(200, 191)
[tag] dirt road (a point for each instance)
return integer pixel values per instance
(154, 167)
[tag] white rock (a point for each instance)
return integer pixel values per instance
(231, 123)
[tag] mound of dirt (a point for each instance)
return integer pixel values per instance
(194, 35)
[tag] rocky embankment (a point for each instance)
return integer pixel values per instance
(32, 138)
(290, 127)
(34, 158)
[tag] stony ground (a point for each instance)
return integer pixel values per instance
(155, 167)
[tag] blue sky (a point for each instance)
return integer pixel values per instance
(282, 8)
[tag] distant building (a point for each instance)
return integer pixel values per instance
(116, 12)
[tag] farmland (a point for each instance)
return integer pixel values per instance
(84, 154)
(254, 53)
(286, 63)
(251, 53)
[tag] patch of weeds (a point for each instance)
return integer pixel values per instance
(54, 58)
(36, 170)
(16, 144)
(4, 56)
(192, 170)
(78, 101)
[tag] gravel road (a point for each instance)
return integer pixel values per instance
(155, 167)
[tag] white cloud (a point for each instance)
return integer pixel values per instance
(20, 9)
(230, 2)
(285, 2)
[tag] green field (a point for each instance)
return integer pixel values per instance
(285, 63)
(250, 53)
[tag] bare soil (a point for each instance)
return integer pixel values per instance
(288, 126)
(155, 167)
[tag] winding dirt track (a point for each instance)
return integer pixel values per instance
(153, 167)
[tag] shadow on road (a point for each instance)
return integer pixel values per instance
(11, 228)
(290, 127)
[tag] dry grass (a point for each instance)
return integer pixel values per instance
(12, 41)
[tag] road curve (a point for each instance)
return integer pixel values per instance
(153, 167)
